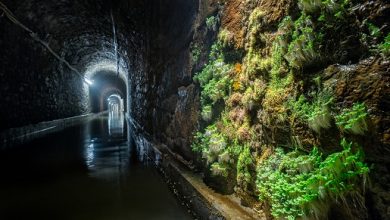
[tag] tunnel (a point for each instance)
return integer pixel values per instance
(103, 86)
(194, 109)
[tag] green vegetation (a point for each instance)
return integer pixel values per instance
(385, 46)
(374, 30)
(244, 162)
(303, 49)
(335, 8)
(353, 120)
(211, 23)
(280, 80)
(195, 52)
(299, 185)
(254, 62)
(225, 38)
(219, 153)
(214, 80)
(316, 113)
(249, 100)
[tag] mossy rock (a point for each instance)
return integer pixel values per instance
(219, 183)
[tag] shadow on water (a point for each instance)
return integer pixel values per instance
(90, 171)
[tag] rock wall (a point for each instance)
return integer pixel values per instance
(164, 98)
(292, 76)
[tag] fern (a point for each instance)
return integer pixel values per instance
(303, 185)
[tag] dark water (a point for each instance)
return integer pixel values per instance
(91, 171)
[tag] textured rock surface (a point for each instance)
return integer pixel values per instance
(368, 81)
(349, 65)
(164, 100)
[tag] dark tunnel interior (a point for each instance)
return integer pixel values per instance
(61, 61)
(126, 37)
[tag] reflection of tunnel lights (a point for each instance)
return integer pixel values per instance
(89, 82)
(107, 66)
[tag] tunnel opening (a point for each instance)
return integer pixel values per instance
(105, 85)
(115, 103)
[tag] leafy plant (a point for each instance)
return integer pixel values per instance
(316, 112)
(211, 23)
(303, 50)
(304, 185)
(195, 53)
(218, 152)
(225, 38)
(245, 160)
(385, 46)
(214, 80)
(374, 30)
(207, 113)
(317, 6)
(353, 120)
(280, 80)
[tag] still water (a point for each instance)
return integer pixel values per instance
(90, 171)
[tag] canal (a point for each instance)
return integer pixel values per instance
(89, 171)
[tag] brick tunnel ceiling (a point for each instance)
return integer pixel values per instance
(39, 87)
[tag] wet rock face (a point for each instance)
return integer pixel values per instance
(351, 72)
(368, 81)
(164, 98)
(37, 87)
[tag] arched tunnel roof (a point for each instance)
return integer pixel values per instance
(152, 58)
(79, 32)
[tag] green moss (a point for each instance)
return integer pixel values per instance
(335, 8)
(255, 24)
(219, 153)
(195, 52)
(256, 65)
(384, 47)
(218, 169)
(315, 112)
(300, 185)
(253, 94)
(214, 80)
(211, 23)
(244, 162)
(374, 30)
(303, 49)
(353, 120)
(207, 113)
(280, 77)
(225, 38)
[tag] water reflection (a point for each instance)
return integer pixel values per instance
(146, 153)
(107, 154)
(116, 123)
(83, 172)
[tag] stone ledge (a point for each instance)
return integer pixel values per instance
(201, 201)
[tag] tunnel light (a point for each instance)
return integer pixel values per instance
(89, 82)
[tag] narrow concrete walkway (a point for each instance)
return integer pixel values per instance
(228, 205)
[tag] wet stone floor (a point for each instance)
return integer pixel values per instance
(90, 171)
